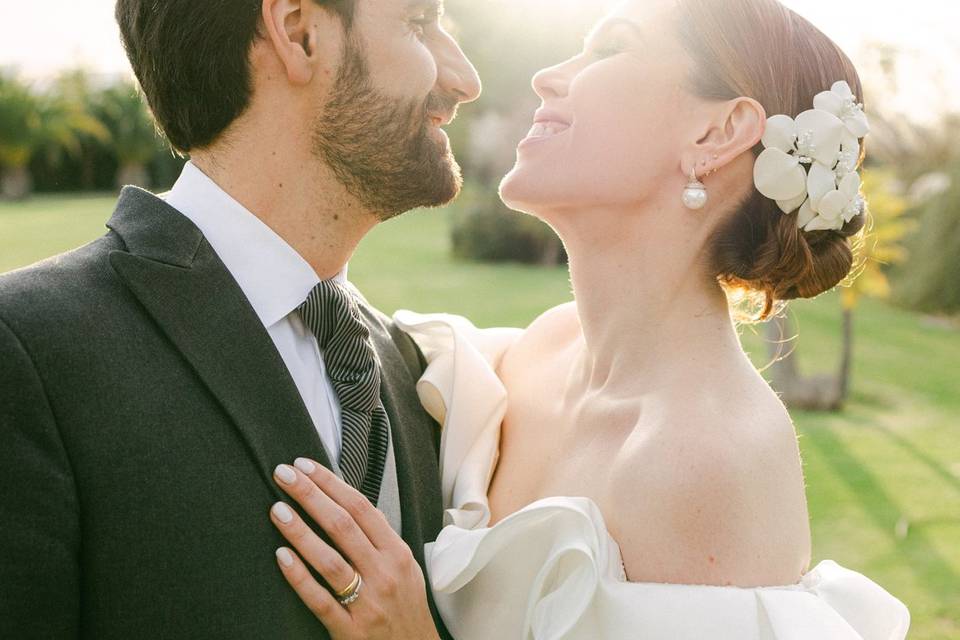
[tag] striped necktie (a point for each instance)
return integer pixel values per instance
(332, 313)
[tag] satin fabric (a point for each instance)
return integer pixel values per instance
(552, 571)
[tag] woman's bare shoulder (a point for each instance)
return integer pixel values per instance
(549, 332)
(725, 492)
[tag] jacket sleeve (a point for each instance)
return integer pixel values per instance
(39, 519)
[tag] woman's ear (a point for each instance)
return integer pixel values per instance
(737, 127)
(293, 37)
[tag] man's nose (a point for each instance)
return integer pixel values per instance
(456, 75)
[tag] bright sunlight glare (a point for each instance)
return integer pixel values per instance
(41, 38)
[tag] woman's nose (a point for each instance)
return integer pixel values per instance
(456, 75)
(551, 82)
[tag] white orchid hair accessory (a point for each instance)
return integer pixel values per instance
(827, 138)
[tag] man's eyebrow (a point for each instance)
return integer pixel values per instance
(607, 25)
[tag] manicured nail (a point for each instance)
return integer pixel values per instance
(305, 465)
(286, 474)
(285, 557)
(283, 513)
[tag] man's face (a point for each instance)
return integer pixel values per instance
(401, 78)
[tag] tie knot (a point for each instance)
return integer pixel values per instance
(330, 311)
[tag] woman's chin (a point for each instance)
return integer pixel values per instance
(520, 192)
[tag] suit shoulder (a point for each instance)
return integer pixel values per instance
(58, 283)
(63, 268)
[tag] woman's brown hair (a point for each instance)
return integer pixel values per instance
(762, 50)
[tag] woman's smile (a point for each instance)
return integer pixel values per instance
(546, 124)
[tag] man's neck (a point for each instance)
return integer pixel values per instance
(294, 194)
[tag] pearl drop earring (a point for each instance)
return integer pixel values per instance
(695, 194)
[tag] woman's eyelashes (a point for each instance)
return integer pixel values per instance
(607, 50)
(606, 47)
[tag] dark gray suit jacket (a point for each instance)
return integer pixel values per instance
(143, 408)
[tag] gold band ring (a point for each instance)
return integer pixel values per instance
(351, 596)
(346, 593)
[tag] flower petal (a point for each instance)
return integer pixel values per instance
(806, 214)
(781, 133)
(779, 175)
(842, 89)
(789, 206)
(852, 212)
(850, 186)
(857, 124)
(820, 182)
(827, 132)
(832, 205)
(822, 224)
(830, 102)
(849, 142)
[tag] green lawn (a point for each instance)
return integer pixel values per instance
(883, 477)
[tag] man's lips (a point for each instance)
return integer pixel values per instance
(440, 120)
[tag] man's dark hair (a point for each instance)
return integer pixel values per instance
(192, 58)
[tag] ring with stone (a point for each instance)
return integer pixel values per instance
(350, 595)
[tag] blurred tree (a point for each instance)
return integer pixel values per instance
(69, 127)
(488, 231)
(880, 247)
(54, 123)
(19, 132)
(932, 282)
(133, 137)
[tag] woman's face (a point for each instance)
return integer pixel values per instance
(614, 119)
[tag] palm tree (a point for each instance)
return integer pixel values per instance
(133, 136)
(69, 125)
(882, 246)
(19, 132)
(55, 122)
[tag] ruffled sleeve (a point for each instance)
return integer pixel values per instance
(552, 571)
(460, 387)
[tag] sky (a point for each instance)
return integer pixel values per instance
(40, 38)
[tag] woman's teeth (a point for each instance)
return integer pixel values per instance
(547, 129)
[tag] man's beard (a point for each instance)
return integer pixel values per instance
(381, 149)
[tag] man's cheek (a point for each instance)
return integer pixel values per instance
(410, 75)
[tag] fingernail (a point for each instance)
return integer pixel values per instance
(286, 474)
(305, 465)
(285, 557)
(283, 513)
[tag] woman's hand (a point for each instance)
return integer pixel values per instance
(391, 602)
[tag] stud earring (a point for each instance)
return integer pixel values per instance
(695, 194)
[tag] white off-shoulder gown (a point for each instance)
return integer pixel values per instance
(552, 571)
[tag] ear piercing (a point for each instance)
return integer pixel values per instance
(695, 194)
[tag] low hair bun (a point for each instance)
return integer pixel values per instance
(763, 50)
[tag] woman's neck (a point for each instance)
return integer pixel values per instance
(650, 316)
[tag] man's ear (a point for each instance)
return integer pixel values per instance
(291, 29)
(735, 128)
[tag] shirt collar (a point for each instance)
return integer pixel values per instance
(273, 276)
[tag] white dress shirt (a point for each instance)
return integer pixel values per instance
(275, 279)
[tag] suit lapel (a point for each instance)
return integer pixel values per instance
(413, 433)
(416, 442)
(183, 285)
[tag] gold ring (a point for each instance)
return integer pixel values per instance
(346, 593)
(350, 599)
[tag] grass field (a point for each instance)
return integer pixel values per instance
(883, 477)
